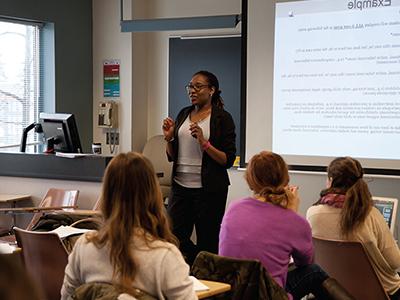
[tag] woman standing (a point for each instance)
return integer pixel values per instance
(345, 212)
(134, 249)
(201, 143)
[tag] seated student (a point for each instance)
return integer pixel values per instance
(135, 248)
(266, 227)
(345, 212)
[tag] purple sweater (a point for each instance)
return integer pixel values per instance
(252, 229)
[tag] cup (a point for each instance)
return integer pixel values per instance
(96, 148)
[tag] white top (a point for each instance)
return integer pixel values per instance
(162, 271)
(190, 155)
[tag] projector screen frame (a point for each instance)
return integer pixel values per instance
(388, 169)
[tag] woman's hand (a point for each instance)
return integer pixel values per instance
(293, 197)
(168, 127)
(214, 153)
(197, 133)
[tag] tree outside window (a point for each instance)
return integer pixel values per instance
(19, 81)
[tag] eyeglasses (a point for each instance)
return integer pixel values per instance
(196, 87)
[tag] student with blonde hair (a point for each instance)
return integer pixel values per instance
(267, 227)
(345, 212)
(135, 248)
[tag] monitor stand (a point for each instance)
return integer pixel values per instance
(50, 142)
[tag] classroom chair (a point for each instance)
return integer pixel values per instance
(53, 198)
(45, 259)
(15, 282)
(349, 264)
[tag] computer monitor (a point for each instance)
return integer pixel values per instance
(388, 208)
(60, 132)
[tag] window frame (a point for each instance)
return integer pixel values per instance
(33, 94)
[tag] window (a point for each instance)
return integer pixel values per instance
(20, 101)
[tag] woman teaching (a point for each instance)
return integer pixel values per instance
(201, 143)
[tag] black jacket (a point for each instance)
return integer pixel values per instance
(248, 278)
(222, 136)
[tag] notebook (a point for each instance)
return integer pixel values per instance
(388, 208)
(64, 231)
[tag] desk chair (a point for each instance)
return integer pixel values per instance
(89, 221)
(54, 197)
(349, 264)
(155, 151)
(96, 206)
(45, 259)
(12, 200)
(15, 283)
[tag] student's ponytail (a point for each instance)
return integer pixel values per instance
(357, 204)
(346, 176)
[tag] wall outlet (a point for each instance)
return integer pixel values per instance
(112, 138)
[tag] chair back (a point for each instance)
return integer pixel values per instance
(45, 259)
(96, 206)
(349, 264)
(15, 283)
(55, 197)
(155, 151)
(248, 278)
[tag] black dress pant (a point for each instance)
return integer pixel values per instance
(199, 208)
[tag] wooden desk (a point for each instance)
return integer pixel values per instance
(80, 212)
(11, 198)
(215, 289)
(30, 210)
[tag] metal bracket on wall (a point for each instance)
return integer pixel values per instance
(184, 23)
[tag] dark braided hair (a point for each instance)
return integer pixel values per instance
(213, 82)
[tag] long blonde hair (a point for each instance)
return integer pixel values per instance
(131, 199)
(267, 176)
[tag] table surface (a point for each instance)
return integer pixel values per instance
(34, 209)
(79, 212)
(13, 197)
(215, 288)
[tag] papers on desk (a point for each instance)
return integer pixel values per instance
(197, 285)
(6, 248)
(64, 231)
(74, 155)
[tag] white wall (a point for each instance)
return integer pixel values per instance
(144, 61)
(158, 50)
(110, 43)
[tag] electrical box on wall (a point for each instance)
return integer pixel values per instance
(107, 114)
